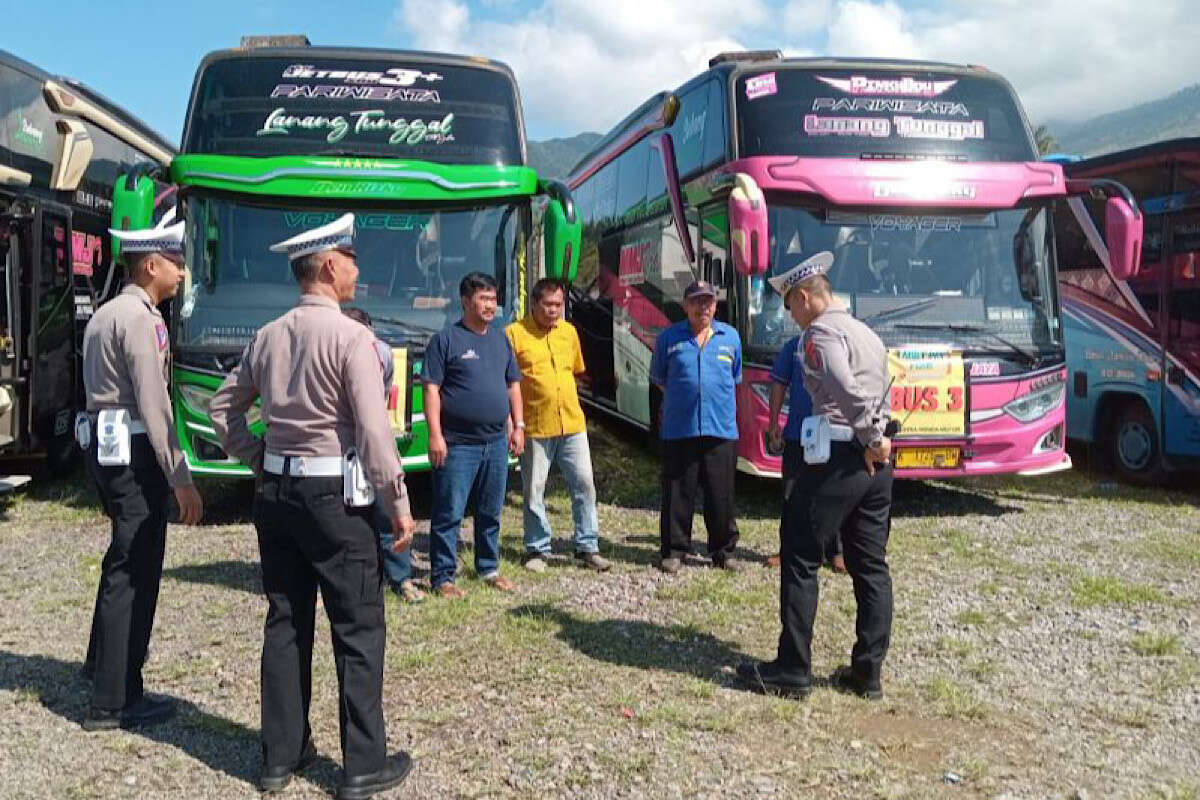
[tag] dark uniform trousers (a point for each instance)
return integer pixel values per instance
(135, 499)
(308, 538)
(825, 499)
(711, 464)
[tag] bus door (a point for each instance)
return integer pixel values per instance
(1181, 338)
(15, 236)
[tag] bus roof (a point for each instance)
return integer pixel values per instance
(1157, 151)
(365, 53)
(730, 64)
(38, 74)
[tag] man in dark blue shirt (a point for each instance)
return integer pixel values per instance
(787, 381)
(473, 409)
(698, 363)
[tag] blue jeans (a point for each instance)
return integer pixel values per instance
(574, 458)
(397, 567)
(476, 474)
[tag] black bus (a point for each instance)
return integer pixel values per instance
(62, 146)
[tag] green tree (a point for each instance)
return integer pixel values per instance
(1046, 143)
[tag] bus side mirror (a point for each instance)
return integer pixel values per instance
(561, 233)
(133, 206)
(1123, 235)
(748, 226)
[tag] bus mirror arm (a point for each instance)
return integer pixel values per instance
(1123, 223)
(666, 151)
(748, 226)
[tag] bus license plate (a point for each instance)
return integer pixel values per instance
(927, 457)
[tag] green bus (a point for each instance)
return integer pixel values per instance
(427, 150)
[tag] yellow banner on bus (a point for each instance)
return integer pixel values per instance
(928, 390)
(397, 402)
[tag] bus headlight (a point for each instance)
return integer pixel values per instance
(1037, 403)
(200, 398)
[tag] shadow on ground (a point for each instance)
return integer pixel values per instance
(221, 744)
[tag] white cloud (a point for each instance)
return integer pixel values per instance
(860, 28)
(583, 64)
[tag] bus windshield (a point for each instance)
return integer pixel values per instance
(880, 115)
(272, 106)
(410, 265)
(984, 280)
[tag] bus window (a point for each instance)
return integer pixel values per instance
(714, 125)
(631, 181)
(688, 130)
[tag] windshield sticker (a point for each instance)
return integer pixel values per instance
(397, 76)
(633, 262)
(846, 126)
(384, 93)
(906, 86)
(985, 369)
(896, 105)
(403, 131)
(761, 86)
(946, 130)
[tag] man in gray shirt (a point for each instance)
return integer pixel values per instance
(126, 361)
(846, 374)
(322, 397)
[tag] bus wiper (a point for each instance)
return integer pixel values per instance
(905, 309)
(1032, 358)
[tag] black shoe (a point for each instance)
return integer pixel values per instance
(141, 712)
(844, 680)
(766, 677)
(726, 562)
(276, 779)
(393, 774)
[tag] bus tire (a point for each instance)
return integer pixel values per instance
(1133, 443)
(62, 456)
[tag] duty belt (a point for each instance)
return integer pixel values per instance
(136, 426)
(303, 466)
(841, 433)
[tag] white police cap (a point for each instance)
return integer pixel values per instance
(818, 264)
(164, 237)
(337, 235)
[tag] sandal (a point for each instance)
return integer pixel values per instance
(448, 589)
(500, 583)
(409, 593)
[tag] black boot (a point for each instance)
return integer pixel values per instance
(276, 779)
(767, 677)
(844, 679)
(357, 787)
(143, 711)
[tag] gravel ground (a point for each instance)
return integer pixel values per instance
(1047, 644)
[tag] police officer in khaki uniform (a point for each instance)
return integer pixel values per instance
(846, 373)
(126, 364)
(322, 397)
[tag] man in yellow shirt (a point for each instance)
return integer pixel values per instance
(547, 350)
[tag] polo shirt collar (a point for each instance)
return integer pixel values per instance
(308, 299)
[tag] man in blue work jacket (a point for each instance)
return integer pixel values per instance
(698, 363)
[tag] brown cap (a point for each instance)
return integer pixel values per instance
(699, 289)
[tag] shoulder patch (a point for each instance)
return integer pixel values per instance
(160, 335)
(812, 355)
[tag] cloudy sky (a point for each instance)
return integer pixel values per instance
(583, 64)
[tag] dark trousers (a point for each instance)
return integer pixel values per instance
(708, 463)
(793, 465)
(135, 500)
(308, 538)
(825, 499)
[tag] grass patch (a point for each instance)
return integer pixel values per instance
(1184, 790)
(1139, 717)
(959, 648)
(971, 617)
(1150, 643)
(954, 700)
(1174, 548)
(1108, 591)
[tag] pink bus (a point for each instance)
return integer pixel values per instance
(922, 181)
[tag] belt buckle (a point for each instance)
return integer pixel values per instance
(301, 467)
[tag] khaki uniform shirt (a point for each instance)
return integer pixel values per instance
(322, 393)
(846, 373)
(127, 364)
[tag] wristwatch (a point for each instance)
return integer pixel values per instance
(521, 424)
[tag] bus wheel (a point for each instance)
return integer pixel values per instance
(1134, 443)
(62, 456)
